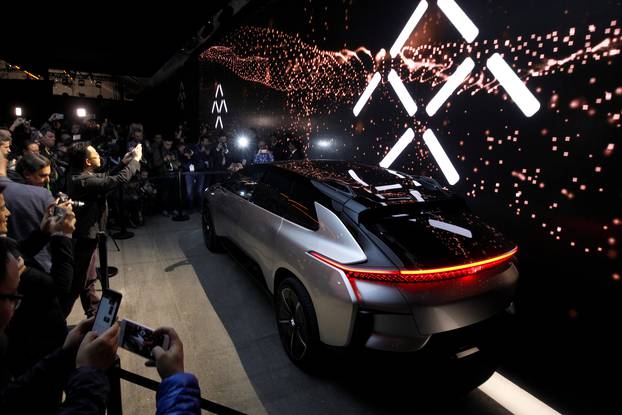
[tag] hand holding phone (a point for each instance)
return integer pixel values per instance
(140, 339)
(98, 350)
(107, 310)
(169, 361)
(138, 152)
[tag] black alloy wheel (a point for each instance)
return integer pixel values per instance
(297, 323)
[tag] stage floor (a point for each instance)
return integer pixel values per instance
(225, 319)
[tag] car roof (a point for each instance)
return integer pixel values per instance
(374, 183)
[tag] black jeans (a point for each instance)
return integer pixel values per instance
(83, 249)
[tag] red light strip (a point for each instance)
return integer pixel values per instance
(483, 263)
(420, 274)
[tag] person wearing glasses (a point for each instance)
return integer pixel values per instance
(78, 366)
(48, 293)
(87, 185)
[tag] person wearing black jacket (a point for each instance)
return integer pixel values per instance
(78, 366)
(46, 296)
(92, 188)
(295, 150)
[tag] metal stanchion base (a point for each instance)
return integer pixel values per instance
(181, 217)
(123, 235)
(112, 271)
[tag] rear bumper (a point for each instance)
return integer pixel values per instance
(404, 317)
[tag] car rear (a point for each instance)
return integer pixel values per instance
(442, 269)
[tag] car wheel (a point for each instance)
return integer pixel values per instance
(209, 236)
(297, 323)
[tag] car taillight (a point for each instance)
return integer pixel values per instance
(418, 275)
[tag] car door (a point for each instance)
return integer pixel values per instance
(262, 221)
(236, 206)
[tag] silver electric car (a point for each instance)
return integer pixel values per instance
(359, 255)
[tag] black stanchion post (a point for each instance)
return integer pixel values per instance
(102, 246)
(181, 216)
(115, 404)
(123, 232)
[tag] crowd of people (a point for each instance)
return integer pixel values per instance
(40, 157)
(56, 183)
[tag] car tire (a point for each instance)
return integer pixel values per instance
(297, 324)
(209, 235)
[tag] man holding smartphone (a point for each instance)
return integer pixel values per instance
(89, 186)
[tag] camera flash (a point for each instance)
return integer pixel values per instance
(243, 142)
(18, 111)
(81, 112)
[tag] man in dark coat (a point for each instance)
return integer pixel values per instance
(90, 187)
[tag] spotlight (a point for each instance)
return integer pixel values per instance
(81, 112)
(324, 143)
(243, 142)
(18, 111)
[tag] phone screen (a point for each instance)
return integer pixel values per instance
(107, 311)
(140, 339)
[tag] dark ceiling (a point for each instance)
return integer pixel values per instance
(116, 41)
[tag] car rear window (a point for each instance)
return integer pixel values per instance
(433, 238)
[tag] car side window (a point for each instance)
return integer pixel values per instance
(243, 182)
(301, 204)
(230, 182)
(270, 192)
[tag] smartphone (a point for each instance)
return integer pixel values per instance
(141, 339)
(107, 311)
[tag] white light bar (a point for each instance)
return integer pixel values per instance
(514, 399)
(355, 176)
(441, 158)
(454, 81)
(219, 89)
(367, 93)
(396, 174)
(517, 90)
(459, 19)
(402, 93)
(450, 228)
(388, 187)
(417, 195)
(408, 29)
(397, 149)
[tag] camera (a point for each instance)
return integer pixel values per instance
(62, 198)
(60, 212)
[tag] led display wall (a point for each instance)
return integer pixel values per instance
(514, 105)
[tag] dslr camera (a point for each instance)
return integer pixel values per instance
(60, 212)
